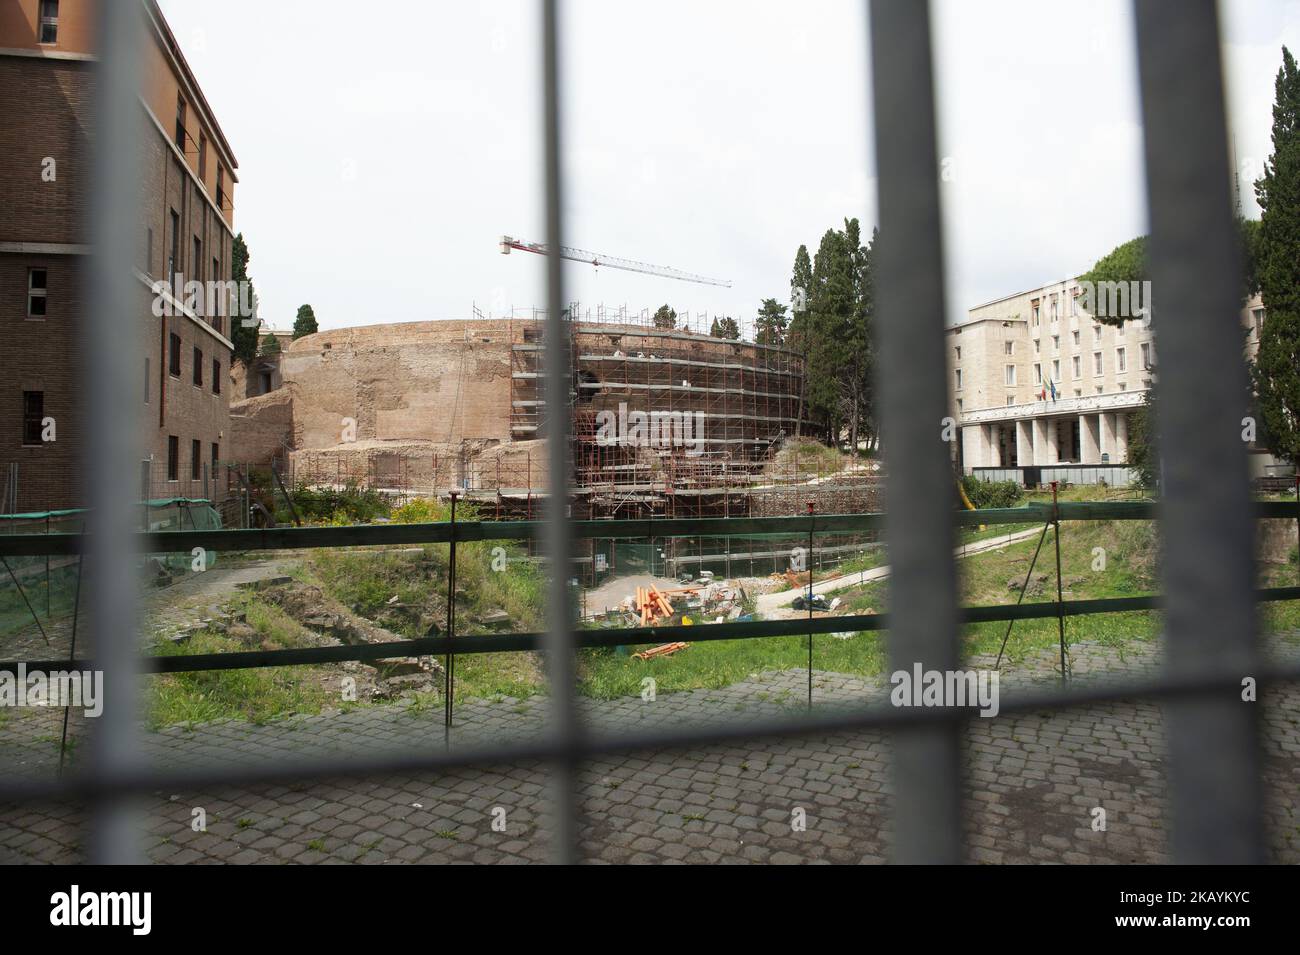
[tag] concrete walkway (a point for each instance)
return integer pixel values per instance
(767, 604)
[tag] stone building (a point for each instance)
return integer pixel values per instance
(1036, 381)
(47, 78)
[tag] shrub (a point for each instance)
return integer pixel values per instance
(985, 494)
(350, 505)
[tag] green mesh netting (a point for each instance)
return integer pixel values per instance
(47, 586)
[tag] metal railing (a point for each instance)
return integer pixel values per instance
(1205, 513)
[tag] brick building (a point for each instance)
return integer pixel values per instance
(185, 213)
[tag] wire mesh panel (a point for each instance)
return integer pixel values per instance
(1214, 780)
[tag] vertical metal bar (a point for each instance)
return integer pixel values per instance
(115, 309)
(913, 388)
(559, 538)
(1214, 783)
(811, 519)
(1060, 586)
(449, 662)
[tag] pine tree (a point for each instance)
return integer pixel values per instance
(770, 326)
(243, 337)
(797, 337)
(725, 327)
(665, 317)
(305, 322)
(1277, 366)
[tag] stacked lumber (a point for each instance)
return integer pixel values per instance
(653, 605)
(660, 651)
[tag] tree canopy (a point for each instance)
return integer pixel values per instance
(305, 322)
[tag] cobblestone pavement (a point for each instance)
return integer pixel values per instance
(1031, 782)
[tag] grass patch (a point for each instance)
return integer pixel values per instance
(257, 695)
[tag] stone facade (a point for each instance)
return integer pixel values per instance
(1036, 380)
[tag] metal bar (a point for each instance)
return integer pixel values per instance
(880, 717)
(449, 660)
(1060, 586)
(513, 642)
(111, 326)
(910, 323)
(1021, 598)
(1214, 771)
(370, 535)
(560, 616)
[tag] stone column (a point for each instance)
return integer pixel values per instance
(1089, 439)
(1121, 438)
(994, 446)
(972, 446)
(1107, 443)
(1024, 443)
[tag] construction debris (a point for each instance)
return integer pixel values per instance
(660, 651)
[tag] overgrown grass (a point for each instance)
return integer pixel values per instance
(256, 695)
(490, 576)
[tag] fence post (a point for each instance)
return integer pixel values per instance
(1060, 606)
(449, 661)
(811, 519)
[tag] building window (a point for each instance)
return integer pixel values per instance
(1119, 330)
(1054, 316)
(221, 189)
(196, 263)
(1123, 386)
(1056, 343)
(958, 353)
(1006, 347)
(1074, 338)
(198, 367)
(33, 415)
(1038, 374)
(1011, 374)
(180, 123)
(1056, 369)
(173, 457)
(959, 379)
(959, 405)
(1257, 318)
(1011, 399)
(1034, 307)
(37, 288)
(1120, 360)
(1146, 356)
(1096, 363)
(203, 157)
(1074, 304)
(1037, 346)
(49, 21)
(216, 376)
(1096, 334)
(174, 355)
(196, 463)
(1078, 367)
(216, 456)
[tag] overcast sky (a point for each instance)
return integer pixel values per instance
(382, 156)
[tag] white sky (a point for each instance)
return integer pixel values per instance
(383, 156)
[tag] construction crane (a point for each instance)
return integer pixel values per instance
(610, 261)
